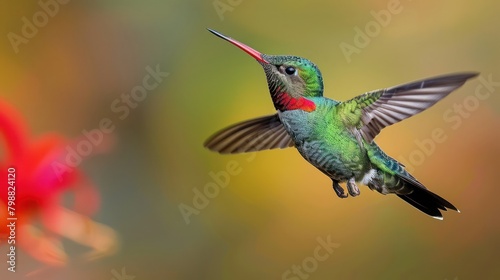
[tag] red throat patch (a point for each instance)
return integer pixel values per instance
(287, 102)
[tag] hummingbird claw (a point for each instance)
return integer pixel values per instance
(352, 187)
(339, 190)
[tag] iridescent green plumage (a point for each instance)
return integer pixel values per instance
(337, 137)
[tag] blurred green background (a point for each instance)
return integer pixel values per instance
(268, 218)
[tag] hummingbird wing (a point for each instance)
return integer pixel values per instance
(258, 134)
(369, 113)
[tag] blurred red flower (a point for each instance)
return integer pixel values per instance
(42, 189)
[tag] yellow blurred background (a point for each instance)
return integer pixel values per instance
(78, 66)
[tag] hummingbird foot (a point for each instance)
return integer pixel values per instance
(352, 187)
(339, 190)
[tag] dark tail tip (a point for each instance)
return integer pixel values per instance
(428, 202)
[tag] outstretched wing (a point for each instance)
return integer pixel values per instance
(258, 134)
(371, 112)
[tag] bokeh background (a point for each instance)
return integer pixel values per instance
(268, 218)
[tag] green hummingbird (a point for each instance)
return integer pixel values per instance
(337, 137)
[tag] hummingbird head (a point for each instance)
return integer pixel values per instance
(291, 79)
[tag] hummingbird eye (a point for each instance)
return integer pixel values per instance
(290, 70)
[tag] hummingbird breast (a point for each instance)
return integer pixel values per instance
(322, 139)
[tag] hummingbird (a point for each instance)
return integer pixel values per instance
(337, 137)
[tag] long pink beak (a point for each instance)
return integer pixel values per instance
(255, 54)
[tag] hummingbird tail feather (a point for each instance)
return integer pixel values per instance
(426, 201)
(398, 181)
